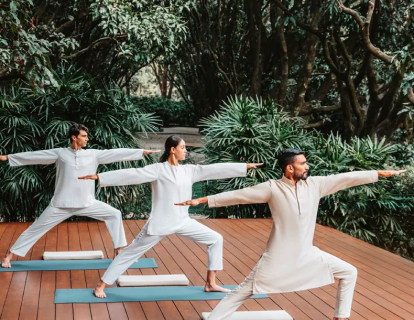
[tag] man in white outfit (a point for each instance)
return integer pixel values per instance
(291, 262)
(72, 196)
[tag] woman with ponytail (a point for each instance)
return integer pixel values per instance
(171, 183)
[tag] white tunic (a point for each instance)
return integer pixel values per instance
(170, 184)
(291, 262)
(70, 192)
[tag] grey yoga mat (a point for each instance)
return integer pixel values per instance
(46, 265)
(128, 294)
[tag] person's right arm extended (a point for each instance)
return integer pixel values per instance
(33, 157)
(260, 193)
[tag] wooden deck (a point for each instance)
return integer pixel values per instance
(385, 288)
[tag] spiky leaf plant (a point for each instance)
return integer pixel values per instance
(40, 120)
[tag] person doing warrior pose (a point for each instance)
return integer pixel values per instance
(72, 197)
(291, 262)
(170, 183)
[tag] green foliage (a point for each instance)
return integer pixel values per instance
(172, 113)
(253, 130)
(108, 39)
(41, 119)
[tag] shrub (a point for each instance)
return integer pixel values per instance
(253, 130)
(40, 120)
(172, 113)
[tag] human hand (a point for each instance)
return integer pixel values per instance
(90, 177)
(389, 173)
(253, 165)
(145, 152)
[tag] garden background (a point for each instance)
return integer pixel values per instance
(332, 77)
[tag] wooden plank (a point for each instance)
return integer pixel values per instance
(92, 277)
(30, 300)
(398, 261)
(5, 277)
(14, 297)
(63, 278)
(46, 308)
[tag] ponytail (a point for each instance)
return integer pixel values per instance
(164, 156)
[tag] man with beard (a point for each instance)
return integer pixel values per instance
(291, 262)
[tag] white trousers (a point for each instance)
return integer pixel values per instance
(53, 216)
(192, 230)
(344, 272)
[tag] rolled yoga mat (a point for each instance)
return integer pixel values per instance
(153, 280)
(46, 265)
(255, 315)
(73, 255)
(125, 294)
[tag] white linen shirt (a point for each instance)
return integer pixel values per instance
(290, 261)
(170, 184)
(71, 192)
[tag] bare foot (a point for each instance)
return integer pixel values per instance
(99, 291)
(6, 261)
(215, 288)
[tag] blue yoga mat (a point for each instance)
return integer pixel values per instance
(46, 265)
(129, 294)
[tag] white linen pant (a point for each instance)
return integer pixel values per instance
(344, 272)
(192, 230)
(52, 216)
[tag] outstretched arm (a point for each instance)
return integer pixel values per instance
(121, 154)
(221, 170)
(33, 157)
(334, 183)
(125, 177)
(260, 193)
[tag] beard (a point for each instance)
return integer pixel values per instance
(300, 176)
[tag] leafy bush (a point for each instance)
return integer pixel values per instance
(172, 113)
(253, 130)
(40, 120)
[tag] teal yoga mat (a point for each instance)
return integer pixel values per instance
(129, 294)
(46, 265)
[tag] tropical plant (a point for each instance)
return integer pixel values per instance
(250, 130)
(254, 130)
(35, 120)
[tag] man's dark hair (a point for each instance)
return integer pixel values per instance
(287, 157)
(75, 130)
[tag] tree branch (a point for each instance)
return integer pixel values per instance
(94, 44)
(364, 25)
(410, 95)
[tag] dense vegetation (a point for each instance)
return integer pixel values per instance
(248, 130)
(334, 77)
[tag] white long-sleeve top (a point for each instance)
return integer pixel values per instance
(70, 192)
(170, 184)
(291, 262)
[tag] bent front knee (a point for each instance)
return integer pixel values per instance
(353, 272)
(218, 239)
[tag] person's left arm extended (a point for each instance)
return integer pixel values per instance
(334, 183)
(221, 170)
(121, 154)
